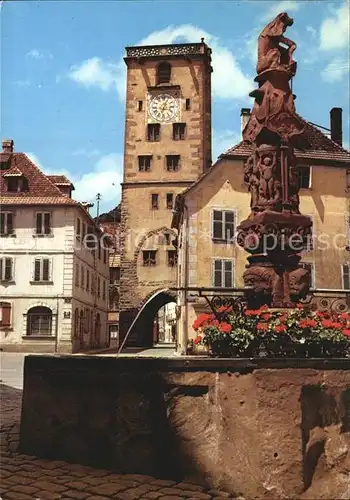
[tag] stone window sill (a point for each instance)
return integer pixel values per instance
(4, 328)
(7, 282)
(8, 235)
(43, 235)
(38, 337)
(41, 282)
(221, 240)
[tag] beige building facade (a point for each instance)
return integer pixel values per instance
(53, 263)
(208, 213)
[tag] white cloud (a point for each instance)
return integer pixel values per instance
(278, 7)
(96, 73)
(89, 153)
(336, 70)
(228, 80)
(104, 178)
(23, 83)
(39, 54)
(223, 140)
(334, 31)
(312, 31)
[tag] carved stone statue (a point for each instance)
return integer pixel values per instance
(271, 54)
(275, 232)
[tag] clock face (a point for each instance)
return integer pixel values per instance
(163, 108)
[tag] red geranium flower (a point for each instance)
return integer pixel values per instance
(346, 332)
(280, 328)
(197, 339)
(225, 327)
(300, 306)
(262, 326)
(345, 316)
(266, 316)
(264, 308)
(327, 323)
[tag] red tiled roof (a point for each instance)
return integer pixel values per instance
(60, 180)
(314, 145)
(37, 200)
(13, 172)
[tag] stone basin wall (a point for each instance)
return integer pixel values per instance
(259, 428)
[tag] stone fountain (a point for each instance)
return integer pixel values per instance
(275, 232)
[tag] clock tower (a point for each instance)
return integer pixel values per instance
(167, 148)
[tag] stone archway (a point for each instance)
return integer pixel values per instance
(141, 331)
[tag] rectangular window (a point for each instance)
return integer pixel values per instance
(78, 228)
(155, 201)
(223, 273)
(169, 201)
(5, 314)
(105, 256)
(87, 280)
(172, 258)
(13, 185)
(139, 105)
(172, 163)
(77, 274)
(346, 276)
(99, 249)
(6, 269)
(43, 223)
(114, 275)
(153, 132)
(41, 270)
(188, 104)
(223, 225)
(179, 130)
(98, 286)
(309, 266)
(304, 176)
(6, 223)
(145, 163)
(82, 277)
(104, 291)
(149, 258)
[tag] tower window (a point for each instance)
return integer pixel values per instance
(149, 258)
(145, 163)
(303, 174)
(155, 201)
(179, 131)
(139, 105)
(188, 104)
(169, 201)
(17, 184)
(172, 163)
(163, 73)
(153, 132)
(172, 258)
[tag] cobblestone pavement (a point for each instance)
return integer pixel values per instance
(24, 477)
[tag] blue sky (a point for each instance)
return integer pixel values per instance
(63, 77)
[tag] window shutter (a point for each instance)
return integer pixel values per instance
(2, 223)
(37, 268)
(229, 225)
(217, 224)
(46, 269)
(8, 269)
(218, 273)
(5, 317)
(39, 221)
(346, 276)
(228, 274)
(1, 269)
(9, 222)
(47, 228)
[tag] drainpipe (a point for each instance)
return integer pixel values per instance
(56, 327)
(184, 295)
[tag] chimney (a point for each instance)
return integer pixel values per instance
(336, 125)
(245, 115)
(7, 146)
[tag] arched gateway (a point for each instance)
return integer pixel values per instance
(141, 331)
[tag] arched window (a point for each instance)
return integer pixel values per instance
(39, 321)
(163, 73)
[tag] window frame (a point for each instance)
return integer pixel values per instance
(149, 262)
(305, 263)
(153, 132)
(173, 169)
(160, 78)
(298, 168)
(143, 168)
(5, 216)
(172, 262)
(343, 275)
(49, 279)
(224, 222)
(179, 131)
(3, 267)
(223, 260)
(154, 197)
(169, 206)
(6, 326)
(43, 226)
